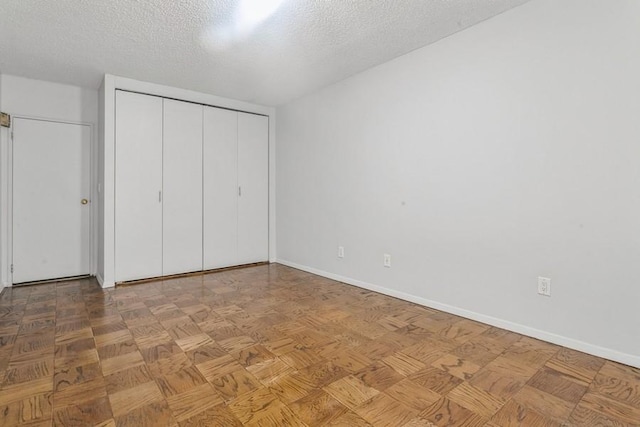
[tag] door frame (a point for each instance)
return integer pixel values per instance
(93, 196)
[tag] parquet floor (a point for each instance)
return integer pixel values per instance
(274, 346)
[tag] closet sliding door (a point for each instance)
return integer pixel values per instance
(182, 188)
(220, 188)
(138, 186)
(253, 180)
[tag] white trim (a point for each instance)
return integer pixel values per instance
(102, 283)
(9, 206)
(124, 83)
(627, 359)
(272, 187)
(8, 239)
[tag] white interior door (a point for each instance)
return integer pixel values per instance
(138, 189)
(182, 188)
(51, 178)
(253, 180)
(220, 195)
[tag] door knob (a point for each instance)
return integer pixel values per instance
(84, 201)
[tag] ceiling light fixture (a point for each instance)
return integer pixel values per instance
(247, 16)
(253, 12)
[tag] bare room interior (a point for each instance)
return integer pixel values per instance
(320, 212)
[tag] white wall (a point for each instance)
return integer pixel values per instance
(45, 100)
(505, 152)
(106, 266)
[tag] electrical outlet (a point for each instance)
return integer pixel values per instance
(340, 251)
(544, 286)
(387, 261)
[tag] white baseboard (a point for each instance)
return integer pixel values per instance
(102, 283)
(627, 359)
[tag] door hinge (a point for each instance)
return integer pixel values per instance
(12, 268)
(240, 191)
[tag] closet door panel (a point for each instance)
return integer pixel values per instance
(182, 188)
(253, 179)
(220, 188)
(138, 181)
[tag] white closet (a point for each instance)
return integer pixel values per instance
(191, 187)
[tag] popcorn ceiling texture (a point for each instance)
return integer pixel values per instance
(305, 45)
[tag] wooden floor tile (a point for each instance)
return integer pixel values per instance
(544, 403)
(34, 409)
(218, 367)
(448, 413)
(125, 401)
(217, 416)
(21, 391)
(152, 415)
(611, 408)
(558, 385)
(350, 391)
(180, 381)
(318, 408)
(234, 384)
(270, 371)
(80, 392)
(456, 366)
(194, 401)
(515, 414)
(301, 358)
(270, 346)
(350, 419)
(617, 389)
(413, 395)
(579, 366)
(379, 376)
(247, 407)
(498, 384)
(128, 378)
(29, 372)
(292, 387)
(403, 364)
(194, 341)
(436, 380)
(475, 399)
(91, 412)
(118, 363)
(384, 410)
(68, 375)
(583, 415)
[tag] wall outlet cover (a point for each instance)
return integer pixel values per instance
(544, 286)
(387, 260)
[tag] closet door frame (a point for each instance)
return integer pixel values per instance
(106, 149)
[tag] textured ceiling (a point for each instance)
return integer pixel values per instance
(199, 45)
